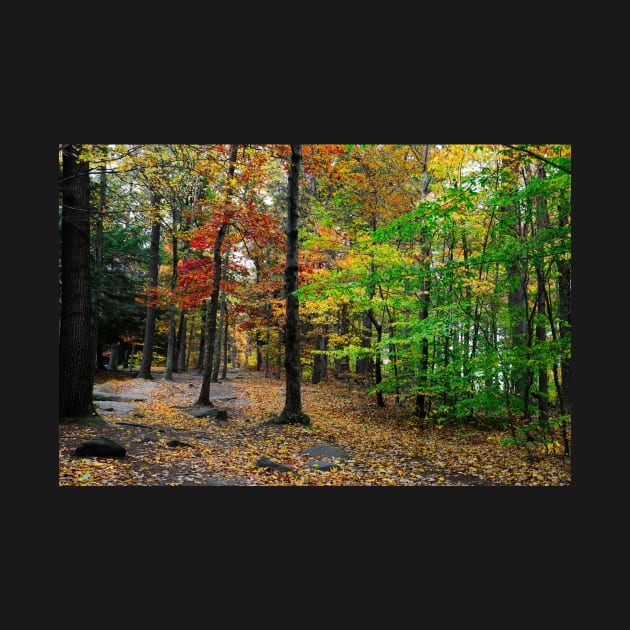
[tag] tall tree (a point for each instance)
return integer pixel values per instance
(425, 248)
(292, 412)
(213, 307)
(171, 359)
(154, 265)
(98, 263)
(76, 358)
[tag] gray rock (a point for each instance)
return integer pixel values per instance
(265, 462)
(100, 447)
(324, 466)
(100, 395)
(116, 408)
(204, 412)
(175, 443)
(325, 451)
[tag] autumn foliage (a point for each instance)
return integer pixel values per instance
(434, 290)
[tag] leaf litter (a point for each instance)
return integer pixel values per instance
(385, 446)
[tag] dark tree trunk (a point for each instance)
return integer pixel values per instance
(516, 271)
(378, 377)
(542, 224)
(292, 412)
(204, 394)
(421, 402)
(342, 365)
(180, 348)
(541, 337)
(171, 356)
(76, 356)
(365, 364)
(98, 266)
(221, 325)
(154, 265)
(279, 361)
(189, 343)
(113, 357)
(211, 330)
(421, 397)
(267, 336)
(320, 361)
(564, 315)
(225, 344)
(202, 336)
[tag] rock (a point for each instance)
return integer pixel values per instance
(265, 462)
(99, 395)
(324, 466)
(100, 447)
(210, 412)
(118, 408)
(204, 412)
(325, 451)
(175, 443)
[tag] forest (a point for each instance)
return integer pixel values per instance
(317, 314)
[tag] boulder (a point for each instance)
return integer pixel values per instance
(101, 395)
(176, 443)
(100, 447)
(323, 465)
(325, 451)
(265, 462)
(209, 412)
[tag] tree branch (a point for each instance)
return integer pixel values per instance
(538, 157)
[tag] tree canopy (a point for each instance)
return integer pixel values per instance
(437, 277)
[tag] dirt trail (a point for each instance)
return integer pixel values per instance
(146, 427)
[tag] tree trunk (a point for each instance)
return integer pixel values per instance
(180, 353)
(365, 364)
(225, 344)
(378, 377)
(154, 265)
(76, 357)
(564, 315)
(341, 366)
(222, 309)
(320, 361)
(113, 357)
(216, 366)
(292, 412)
(98, 265)
(202, 336)
(516, 271)
(204, 394)
(279, 361)
(267, 336)
(421, 408)
(171, 359)
(542, 224)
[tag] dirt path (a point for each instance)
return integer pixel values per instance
(148, 430)
(167, 445)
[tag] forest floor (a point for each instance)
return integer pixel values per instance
(385, 446)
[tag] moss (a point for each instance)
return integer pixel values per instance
(96, 419)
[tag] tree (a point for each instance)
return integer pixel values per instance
(292, 412)
(213, 306)
(76, 359)
(154, 264)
